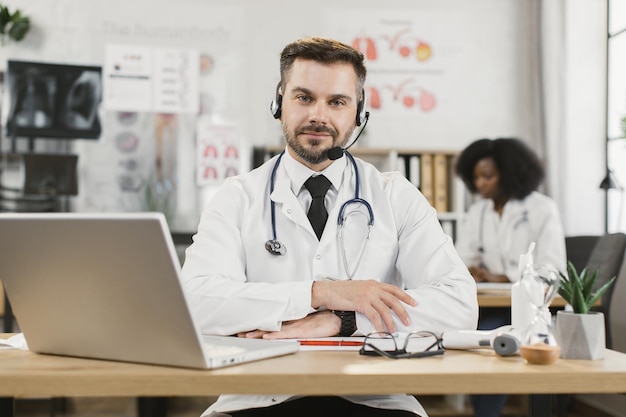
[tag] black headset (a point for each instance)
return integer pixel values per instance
(361, 109)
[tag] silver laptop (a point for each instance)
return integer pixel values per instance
(108, 286)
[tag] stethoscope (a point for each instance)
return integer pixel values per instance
(275, 247)
(481, 230)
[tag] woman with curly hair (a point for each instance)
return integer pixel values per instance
(510, 213)
(501, 224)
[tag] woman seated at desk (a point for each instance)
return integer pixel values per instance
(500, 226)
(510, 214)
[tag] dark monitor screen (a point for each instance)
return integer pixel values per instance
(53, 100)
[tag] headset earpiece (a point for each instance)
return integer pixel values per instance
(361, 110)
(276, 104)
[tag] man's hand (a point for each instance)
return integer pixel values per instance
(321, 324)
(374, 299)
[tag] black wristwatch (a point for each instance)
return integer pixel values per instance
(348, 322)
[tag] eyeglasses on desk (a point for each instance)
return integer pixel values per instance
(387, 344)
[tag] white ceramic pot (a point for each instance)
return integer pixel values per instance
(580, 336)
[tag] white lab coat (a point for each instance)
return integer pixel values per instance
(235, 285)
(504, 238)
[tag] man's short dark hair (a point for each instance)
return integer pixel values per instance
(326, 51)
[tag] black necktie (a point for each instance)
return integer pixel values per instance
(317, 186)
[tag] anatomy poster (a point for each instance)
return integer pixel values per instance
(142, 78)
(217, 152)
(410, 59)
(402, 69)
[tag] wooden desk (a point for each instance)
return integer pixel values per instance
(26, 374)
(502, 298)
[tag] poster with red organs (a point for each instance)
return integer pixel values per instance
(217, 152)
(402, 55)
(408, 57)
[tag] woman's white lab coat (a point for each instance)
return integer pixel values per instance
(235, 284)
(496, 242)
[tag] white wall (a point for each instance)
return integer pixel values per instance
(583, 141)
(490, 81)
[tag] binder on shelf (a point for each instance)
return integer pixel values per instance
(449, 227)
(401, 166)
(393, 161)
(457, 194)
(460, 197)
(414, 173)
(440, 182)
(426, 177)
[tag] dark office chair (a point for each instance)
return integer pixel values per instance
(606, 254)
(579, 249)
(607, 257)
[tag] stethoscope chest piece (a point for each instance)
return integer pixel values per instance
(275, 248)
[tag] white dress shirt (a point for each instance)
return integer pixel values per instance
(496, 242)
(236, 285)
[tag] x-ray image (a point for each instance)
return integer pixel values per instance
(34, 96)
(80, 104)
(53, 100)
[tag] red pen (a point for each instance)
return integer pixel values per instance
(311, 342)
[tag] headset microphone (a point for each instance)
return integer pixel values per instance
(336, 152)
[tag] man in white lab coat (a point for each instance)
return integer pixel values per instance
(257, 267)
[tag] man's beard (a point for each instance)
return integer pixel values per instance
(317, 154)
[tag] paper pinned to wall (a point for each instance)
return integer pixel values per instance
(143, 78)
(217, 152)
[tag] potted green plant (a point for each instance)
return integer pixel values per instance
(12, 25)
(580, 332)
